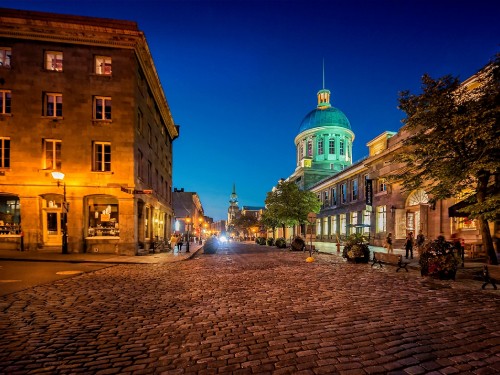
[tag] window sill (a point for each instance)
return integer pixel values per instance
(101, 122)
(53, 118)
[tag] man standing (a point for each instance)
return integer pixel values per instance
(409, 245)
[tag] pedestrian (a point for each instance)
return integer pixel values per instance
(420, 242)
(179, 245)
(409, 245)
(173, 241)
(388, 244)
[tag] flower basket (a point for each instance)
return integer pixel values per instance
(356, 249)
(439, 259)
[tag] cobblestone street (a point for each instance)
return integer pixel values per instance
(251, 310)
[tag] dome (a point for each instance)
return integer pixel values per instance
(329, 116)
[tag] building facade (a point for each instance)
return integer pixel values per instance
(81, 96)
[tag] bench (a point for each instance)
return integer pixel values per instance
(389, 259)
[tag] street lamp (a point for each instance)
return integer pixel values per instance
(200, 226)
(188, 220)
(59, 176)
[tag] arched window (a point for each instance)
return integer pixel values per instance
(417, 197)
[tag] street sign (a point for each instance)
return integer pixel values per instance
(311, 217)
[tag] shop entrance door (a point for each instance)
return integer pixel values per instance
(52, 232)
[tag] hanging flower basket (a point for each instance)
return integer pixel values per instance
(439, 259)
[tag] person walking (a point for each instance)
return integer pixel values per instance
(420, 242)
(409, 245)
(388, 244)
(179, 244)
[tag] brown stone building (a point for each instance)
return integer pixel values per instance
(81, 96)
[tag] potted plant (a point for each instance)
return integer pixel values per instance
(356, 249)
(439, 259)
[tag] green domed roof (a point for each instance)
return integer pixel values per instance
(329, 116)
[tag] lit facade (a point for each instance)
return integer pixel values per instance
(81, 96)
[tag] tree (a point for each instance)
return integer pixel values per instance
(243, 223)
(269, 219)
(453, 146)
(290, 205)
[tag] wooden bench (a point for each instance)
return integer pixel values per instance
(389, 259)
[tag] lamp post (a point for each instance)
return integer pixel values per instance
(59, 176)
(200, 220)
(188, 221)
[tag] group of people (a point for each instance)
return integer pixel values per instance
(176, 241)
(409, 243)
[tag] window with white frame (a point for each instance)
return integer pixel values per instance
(53, 104)
(101, 157)
(354, 221)
(5, 57)
(382, 184)
(102, 108)
(334, 224)
(4, 152)
(381, 218)
(52, 154)
(103, 65)
(54, 61)
(366, 221)
(5, 102)
(343, 193)
(331, 146)
(343, 224)
(320, 147)
(354, 185)
(341, 147)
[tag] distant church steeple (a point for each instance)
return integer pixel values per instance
(233, 199)
(233, 209)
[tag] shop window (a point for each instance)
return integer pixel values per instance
(4, 152)
(103, 65)
(381, 219)
(54, 61)
(5, 57)
(5, 102)
(10, 215)
(103, 217)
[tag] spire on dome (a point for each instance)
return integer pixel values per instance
(324, 94)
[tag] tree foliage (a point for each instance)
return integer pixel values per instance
(453, 143)
(288, 205)
(243, 223)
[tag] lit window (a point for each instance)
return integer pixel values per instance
(382, 184)
(53, 105)
(381, 219)
(5, 101)
(354, 221)
(331, 146)
(102, 108)
(54, 61)
(4, 152)
(334, 224)
(5, 56)
(103, 65)
(52, 154)
(103, 216)
(102, 157)
(366, 222)
(343, 226)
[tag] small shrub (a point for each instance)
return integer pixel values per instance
(280, 243)
(356, 248)
(270, 241)
(260, 241)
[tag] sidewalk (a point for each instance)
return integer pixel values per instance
(57, 256)
(469, 265)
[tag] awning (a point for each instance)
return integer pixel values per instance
(453, 211)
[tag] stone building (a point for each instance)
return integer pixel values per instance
(188, 213)
(81, 96)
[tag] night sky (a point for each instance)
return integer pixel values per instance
(240, 76)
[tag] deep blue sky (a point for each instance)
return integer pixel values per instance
(240, 76)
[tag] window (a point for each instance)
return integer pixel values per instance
(140, 168)
(325, 198)
(52, 154)
(343, 192)
(140, 121)
(341, 147)
(5, 56)
(325, 226)
(381, 219)
(343, 225)
(320, 147)
(366, 221)
(301, 151)
(53, 105)
(4, 152)
(103, 65)
(54, 61)
(331, 146)
(102, 157)
(309, 148)
(334, 224)
(354, 185)
(382, 185)
(103, 216)
(5, 101)
(334, 196)
(102, 108)
(150, 173)
(354, 221)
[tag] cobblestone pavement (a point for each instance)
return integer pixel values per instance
(251, 310)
